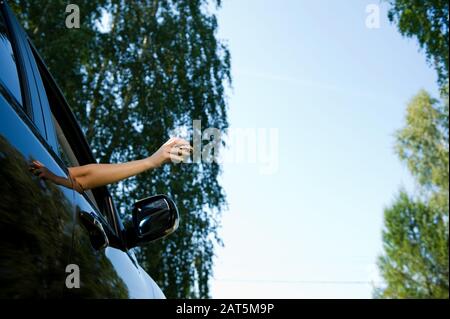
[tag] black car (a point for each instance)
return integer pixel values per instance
(54, 241)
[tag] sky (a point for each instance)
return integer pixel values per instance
(335, 92)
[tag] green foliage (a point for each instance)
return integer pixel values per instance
(156, 68)
(423, 145)
(427, 21)
(415, 262)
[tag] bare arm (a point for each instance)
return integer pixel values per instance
(95, 175)
(43, 172)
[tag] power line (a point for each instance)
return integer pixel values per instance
(306, 282)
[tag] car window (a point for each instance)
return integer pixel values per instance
(9, 77)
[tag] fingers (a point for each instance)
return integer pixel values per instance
(37, 164)
(37, 169)
(170, 141)
(173, 141)
(176, 150)
(187, 148)
(34, 168)
(180, 151)
(178, 142)
(179, 154)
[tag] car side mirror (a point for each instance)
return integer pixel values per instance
(153, 218)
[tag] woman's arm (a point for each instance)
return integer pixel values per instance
(38, 169)
(96, 175)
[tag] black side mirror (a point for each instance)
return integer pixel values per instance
(153, 218)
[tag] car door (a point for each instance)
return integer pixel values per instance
(36, 216)
(106, 269)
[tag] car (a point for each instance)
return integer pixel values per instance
(56, 242)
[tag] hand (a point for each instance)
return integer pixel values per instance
(39, 169)
(175, 150)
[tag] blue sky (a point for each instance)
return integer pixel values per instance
(337, 92)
